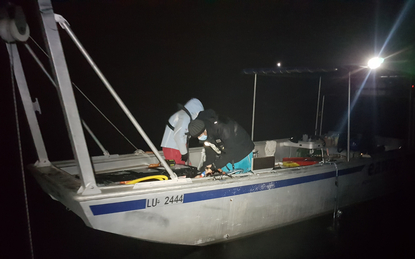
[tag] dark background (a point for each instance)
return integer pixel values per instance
(157, 54)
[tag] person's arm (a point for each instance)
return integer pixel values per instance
(236, 143)
(210, 156)
(224, 159)
(225, 133)
(180, 132)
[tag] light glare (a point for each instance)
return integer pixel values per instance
(375, 62)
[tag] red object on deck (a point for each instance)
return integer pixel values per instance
(302, 161)
(306, 162)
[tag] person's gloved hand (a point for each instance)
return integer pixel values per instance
(209, 169)
(185, 157)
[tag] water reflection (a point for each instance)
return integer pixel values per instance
(381, 228)
(377, 229)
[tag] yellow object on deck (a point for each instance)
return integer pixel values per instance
(290, 164)
(152, 177)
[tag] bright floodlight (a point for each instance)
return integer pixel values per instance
(375, 62)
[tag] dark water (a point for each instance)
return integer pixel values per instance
(381, 228)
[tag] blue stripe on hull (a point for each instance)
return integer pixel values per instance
(220, 193)
(118, 207)
(351, 170)
(207, 195)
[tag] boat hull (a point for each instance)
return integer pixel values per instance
(205, 211)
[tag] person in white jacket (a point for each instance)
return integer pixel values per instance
(174, 142)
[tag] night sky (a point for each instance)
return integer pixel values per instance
(158, 54)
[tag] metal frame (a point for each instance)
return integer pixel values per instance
(67, 98)
(274, 71)
(28, 105)
(65, 25)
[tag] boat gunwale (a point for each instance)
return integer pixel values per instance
(196, 183)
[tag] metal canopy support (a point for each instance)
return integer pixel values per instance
(28, 106)
(411, 143)
(253, 108)
(67, 98)
(318, 106)
(348, 119)
(322, 115)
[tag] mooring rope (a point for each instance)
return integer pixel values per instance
(21, 155)
(86, 97)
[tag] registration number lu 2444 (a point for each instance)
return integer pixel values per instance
(163, 201)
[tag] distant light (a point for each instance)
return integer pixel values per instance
(279, 64)
(375, 62)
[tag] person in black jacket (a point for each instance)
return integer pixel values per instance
(227, 145)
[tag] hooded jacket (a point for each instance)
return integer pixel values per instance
(233, 141)
(177, 139)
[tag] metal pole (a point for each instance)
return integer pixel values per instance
(318, 106)
(42, 155)
(104, 151)
(65, 26)
(67, 99)
(348, 120)
(39, 63)
(410, 117)
(253, 109)
(322, 112)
